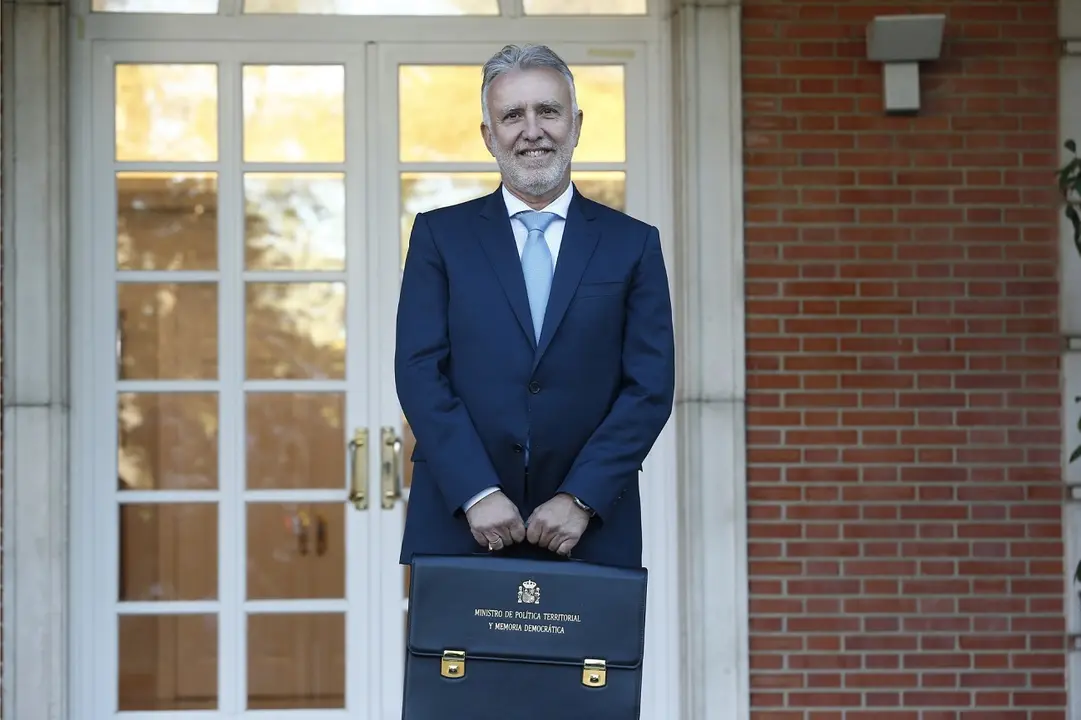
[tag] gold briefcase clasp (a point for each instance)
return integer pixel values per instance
(594, 673)
(453, 665)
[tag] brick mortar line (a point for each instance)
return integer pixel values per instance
(911, 671)
(993, 708)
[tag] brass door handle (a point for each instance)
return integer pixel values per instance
(358, 487)
(321, 536)
(390, 467)
(300, 529)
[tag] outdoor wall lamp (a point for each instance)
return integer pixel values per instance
(900, 42)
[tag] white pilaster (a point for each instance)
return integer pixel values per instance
(1069, 19)
(35, 395)
(710, 403)
(1070, 314)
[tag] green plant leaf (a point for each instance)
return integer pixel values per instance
(1071, 146)
(1075, 219)
(1077, 572)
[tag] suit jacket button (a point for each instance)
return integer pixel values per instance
(534, 387)
(518, 447)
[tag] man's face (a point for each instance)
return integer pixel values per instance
(533, 132)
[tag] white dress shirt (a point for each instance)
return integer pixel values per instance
(553, 235)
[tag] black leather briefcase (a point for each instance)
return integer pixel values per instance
(496, 638)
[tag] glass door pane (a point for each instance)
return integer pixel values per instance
(166, 290)
(584, 7)
(240, 301)
(373, 7)
(433, 165)
(193, 7)
(296, 342)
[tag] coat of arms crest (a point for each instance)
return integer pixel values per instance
(529, 593)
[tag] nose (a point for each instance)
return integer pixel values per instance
(532, 129)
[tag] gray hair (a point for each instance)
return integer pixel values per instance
(525, 57)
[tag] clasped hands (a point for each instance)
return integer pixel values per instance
(556, 525)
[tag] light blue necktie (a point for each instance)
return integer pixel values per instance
(537, 266)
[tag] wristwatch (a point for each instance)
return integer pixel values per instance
(582, 505)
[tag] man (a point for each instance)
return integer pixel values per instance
(535, 354)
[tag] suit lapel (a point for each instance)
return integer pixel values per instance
(580, 237)
(497, 239)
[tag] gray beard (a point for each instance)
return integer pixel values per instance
(535, 182)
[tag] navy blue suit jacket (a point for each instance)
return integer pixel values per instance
(592, 396)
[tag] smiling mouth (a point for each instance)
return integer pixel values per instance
(534, 152)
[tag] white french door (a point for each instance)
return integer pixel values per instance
(251, 206)
(232, 267)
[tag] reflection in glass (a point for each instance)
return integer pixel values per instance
(168, 551)
(603, 101)
(424, 94)
(294, 222)
(296, 661)
(608, 188)
(295, 331)
(295, 441)
(193, 7)
(421, 192)
(167, 662)
(167, 441)
(166, 113)
(584, 7)
(424, 91)
(294, 113)
(167, 331)
(296, 550)
(166, 221)
(374, 7)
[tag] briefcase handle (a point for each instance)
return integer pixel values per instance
(555, 556)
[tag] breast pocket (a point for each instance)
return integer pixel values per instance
(599, 290)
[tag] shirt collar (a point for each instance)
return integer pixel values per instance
(559, 206)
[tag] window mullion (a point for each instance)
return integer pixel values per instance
(511, 8)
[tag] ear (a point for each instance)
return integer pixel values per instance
(578, 120)
(486, 135)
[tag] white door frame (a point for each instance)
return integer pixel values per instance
(696, 73)
(373, 207)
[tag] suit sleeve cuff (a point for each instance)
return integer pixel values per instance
(478, 497)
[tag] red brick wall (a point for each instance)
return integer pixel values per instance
(903, 368)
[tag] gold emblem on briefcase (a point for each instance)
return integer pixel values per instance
(529, 593)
